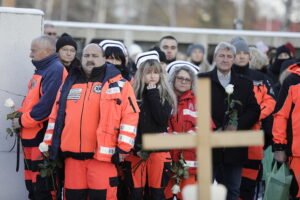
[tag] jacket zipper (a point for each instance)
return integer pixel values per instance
(91, 90)
(82, 116)
(130, 101)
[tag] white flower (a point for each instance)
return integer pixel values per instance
(175, 189)
(9, 103)
(43, 147)
(229, 89)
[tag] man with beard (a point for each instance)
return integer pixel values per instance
(169, 45)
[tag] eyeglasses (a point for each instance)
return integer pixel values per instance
(51, 33)
(182, 79)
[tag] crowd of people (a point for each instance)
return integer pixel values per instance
(90, 113)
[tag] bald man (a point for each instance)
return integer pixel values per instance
(95, 121)
(35, 110)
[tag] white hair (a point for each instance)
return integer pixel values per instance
(226, 46)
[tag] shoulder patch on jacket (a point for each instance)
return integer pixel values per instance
(97, 89)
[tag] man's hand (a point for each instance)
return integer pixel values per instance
(15, 123)
(280, 156)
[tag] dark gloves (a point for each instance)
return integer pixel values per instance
(119, 156)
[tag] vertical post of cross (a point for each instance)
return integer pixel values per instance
(203, 129)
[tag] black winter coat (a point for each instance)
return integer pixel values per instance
(154, 115)
(248, 113)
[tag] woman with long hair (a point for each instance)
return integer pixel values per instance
(147, 173)
(182, 80)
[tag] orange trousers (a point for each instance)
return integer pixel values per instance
(147, 178)
(92, 179)
(38, 187)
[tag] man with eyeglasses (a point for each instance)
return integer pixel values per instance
(49, 29)
(66, 47)
(228, 162)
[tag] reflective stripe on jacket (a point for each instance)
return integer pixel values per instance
(40, 97)
(185, 122)
(95, 118)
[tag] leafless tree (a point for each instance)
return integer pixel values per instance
(288, 8)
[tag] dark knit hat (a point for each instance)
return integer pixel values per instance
(65, 39)
(162, 55)
(194, 46)
(282, 49)
(240, 44)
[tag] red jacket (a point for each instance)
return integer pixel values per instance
(286, 126)
(185, 122)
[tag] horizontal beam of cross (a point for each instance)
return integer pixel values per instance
(217, 139)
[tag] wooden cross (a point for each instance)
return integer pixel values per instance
(204, 140)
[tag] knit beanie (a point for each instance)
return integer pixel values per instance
(64, 40)
(194, 46)
(240, 44)
(282, 49)
(162, 55)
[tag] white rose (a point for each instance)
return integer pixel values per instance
(9, 103)
(43, 147)
(229, 89)
(175, 189)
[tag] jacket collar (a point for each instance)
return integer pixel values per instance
(111, 71)
(233, 77)
(187, 95)
(295, 68)
(41, 64)
(241, 69)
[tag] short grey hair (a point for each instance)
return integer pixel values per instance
(192, 74)
(226, 46)
(49, 26)
(46, 42)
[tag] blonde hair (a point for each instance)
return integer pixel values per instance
(258, 59)
(165, 91)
